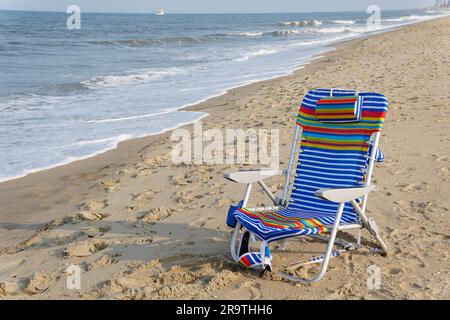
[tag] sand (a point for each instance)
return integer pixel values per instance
(140, 227)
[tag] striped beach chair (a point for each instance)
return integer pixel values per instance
(327, 181)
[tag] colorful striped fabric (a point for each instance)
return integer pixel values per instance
(270, 225)
(339, 109)
(253, 259)
(250, 260)
(332, 155)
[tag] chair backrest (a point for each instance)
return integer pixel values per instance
(334, 154)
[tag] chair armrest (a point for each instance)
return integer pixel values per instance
(252, 176)
(343, 194)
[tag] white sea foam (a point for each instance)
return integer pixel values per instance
(149, 115)
(330, 30)
(131, 78)
(324, 41)
(350, 22)
(259, 53)
(251, 34)
(301, 23)
(361, 29)
(283, 33)
(109, 142)
(411, 17)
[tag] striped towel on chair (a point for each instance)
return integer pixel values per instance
(339, 109)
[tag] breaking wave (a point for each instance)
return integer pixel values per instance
(411, 17)
(259, 53)
(349, 22)
(303, 23)
(142, 76)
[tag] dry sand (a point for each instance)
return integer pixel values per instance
(141, 227)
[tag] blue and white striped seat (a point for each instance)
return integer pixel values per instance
(332, 155)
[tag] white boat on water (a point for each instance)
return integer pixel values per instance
(160, 12)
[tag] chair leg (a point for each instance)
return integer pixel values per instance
(265, 267)
(234, 237)
(233, 249)
(328, 251)
(371, 227)
(262, 252)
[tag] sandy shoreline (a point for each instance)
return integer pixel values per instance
(116, 213)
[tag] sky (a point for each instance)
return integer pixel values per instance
(211, 6)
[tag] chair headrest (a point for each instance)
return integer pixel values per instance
(374, 107)
(342, 109)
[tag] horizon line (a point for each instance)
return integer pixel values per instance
(199, 13)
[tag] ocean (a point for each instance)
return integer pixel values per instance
(68, 94)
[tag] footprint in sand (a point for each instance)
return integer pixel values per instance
(151, 216)
(9, 288)
(444, 171)
(104, 261)
(143, 172)
(429, 207)
(39, 283)
(93, 205)
(92, 216)
(91, 232)
(85, 248)
(254, 288)
(198, 223)
(111, 185)
(222, 202)
(123, 171)
(442, 159)
(181, 179)
(38, 235)
(400, 235)
(147, 195)
(395, 271)
(91, 210)
(402, 206)
(184, 197)
(416, 187)
(413, 255)
(144, 241)
(138, 200)
(60, 240)
(157, 161)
